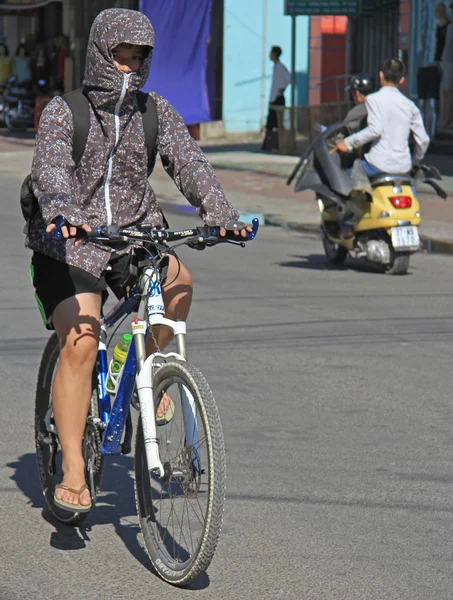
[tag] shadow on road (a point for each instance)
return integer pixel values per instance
(318, 262)
(116, 505)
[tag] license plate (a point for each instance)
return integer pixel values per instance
(405, 237)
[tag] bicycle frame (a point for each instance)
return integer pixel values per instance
(138, 370)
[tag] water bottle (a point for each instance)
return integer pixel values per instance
(117, 362)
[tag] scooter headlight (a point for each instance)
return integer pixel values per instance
(320, 205)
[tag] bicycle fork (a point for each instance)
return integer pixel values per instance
(145, 368)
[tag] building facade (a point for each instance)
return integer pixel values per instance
(250, 29)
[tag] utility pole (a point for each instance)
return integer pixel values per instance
(293, 61)
(263, 64)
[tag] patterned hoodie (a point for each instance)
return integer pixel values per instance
(110, 185)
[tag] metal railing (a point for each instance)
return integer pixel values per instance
(298, 126)
(338, 88)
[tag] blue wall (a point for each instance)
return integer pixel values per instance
(242, 59)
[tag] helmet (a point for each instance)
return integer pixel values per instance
(362, 82)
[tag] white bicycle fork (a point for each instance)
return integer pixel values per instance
(154, 305)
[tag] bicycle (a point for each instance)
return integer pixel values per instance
(180, 465)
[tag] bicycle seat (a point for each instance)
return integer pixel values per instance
(390, 178)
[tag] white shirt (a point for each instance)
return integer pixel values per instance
(391, 119)
(280, 79)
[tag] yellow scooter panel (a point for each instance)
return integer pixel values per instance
(381, 213)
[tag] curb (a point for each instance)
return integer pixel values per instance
(247, 168)
(430, 245)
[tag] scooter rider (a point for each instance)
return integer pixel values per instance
(360, 86)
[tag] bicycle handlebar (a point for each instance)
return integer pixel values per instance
(205, 235)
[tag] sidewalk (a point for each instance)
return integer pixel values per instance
(255, 183)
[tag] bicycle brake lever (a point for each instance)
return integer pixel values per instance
(221, 241)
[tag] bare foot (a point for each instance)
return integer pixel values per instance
(75, 480)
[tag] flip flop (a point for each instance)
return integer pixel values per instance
(167, 416)
(76, 508)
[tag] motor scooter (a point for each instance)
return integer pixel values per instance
(383, 209)
(19, 101)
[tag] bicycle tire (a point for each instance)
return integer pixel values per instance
(169, 568)
(44, 440)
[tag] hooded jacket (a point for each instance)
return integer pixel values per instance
(110, 184)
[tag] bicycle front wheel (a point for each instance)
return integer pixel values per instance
(181, 513)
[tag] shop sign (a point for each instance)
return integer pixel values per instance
(322, 7)
(22, 4)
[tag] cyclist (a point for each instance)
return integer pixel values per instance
(109, 185)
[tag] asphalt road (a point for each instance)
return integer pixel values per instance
(334, 388)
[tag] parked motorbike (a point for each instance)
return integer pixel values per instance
(384, 208)
(19, 101)
(2, 108)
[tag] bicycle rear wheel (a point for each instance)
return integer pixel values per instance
(48, 450)
(181, 513)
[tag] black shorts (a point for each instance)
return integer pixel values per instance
(55, 281)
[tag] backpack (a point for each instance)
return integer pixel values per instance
(79, 104)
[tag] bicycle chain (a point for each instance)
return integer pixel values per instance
(94, 430)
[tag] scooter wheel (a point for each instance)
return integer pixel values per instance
(336, 254)
(13, 123)
(400, 264)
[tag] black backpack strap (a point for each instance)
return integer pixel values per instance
(147, 107)
(80, 107)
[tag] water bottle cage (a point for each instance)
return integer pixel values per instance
(113, 379)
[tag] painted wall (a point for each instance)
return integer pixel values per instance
(243, 42)
(328, 42)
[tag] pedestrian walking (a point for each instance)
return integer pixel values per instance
(281, 78)
(445, 42)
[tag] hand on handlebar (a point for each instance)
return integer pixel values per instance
(341, 147)
(240, 232)
(67, 230)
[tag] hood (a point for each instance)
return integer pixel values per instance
(110, 28)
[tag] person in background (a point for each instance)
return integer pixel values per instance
(6, 65)
(446, 84)
(281, 78)
(40, 65)
(440, 12)
(21, 64)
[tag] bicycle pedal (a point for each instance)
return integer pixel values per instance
(126, 448)
(135, 401)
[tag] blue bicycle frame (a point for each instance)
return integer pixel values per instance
(137, 370)
(114, 416)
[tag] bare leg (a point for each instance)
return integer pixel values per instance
(76, 321)
(177, 294)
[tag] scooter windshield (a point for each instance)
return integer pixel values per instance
(322, 171)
